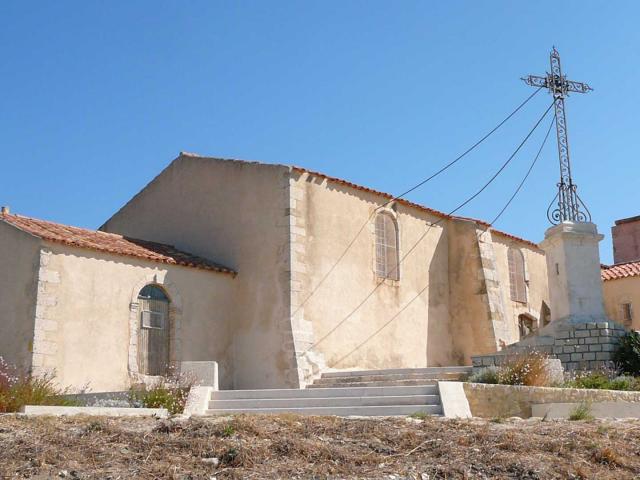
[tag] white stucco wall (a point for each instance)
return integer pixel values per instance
(85, 329)
(235, 213)
(19, 263)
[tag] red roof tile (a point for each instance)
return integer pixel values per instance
(620, 270)
(110, 243)
(402, 201)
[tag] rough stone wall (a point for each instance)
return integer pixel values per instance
(490, 401)
(579, 346)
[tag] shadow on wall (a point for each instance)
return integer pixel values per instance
(439, 341)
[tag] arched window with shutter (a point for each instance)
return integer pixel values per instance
(387, 251)
(517, 278)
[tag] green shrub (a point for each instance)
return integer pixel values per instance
(486, 375)
(18, 390)
(592, 380)
(168, 392)
(627, 355)
(581, 412)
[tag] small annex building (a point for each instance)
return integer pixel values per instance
(276, 272)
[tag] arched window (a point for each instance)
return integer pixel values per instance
(517, 279)
(387, 251)
(153, 335)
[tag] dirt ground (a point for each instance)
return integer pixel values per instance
(316, 447)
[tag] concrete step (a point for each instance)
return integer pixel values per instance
(387, 378)
(320, 401)
(376, 383)
(391, 410)
(398, 371)
(353, 391)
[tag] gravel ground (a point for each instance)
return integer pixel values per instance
(289, 446)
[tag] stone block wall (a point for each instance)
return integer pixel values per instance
(578, 346)
(490, 401)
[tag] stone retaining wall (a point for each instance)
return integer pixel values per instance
(579, 346)
(490, 401)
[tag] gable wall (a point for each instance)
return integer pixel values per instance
(19, 263)
(411, 316)
(84, 331)
(234, 213)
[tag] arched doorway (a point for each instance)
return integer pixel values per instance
(527, 325)
(153, 335)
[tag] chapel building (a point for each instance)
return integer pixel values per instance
(275, 272)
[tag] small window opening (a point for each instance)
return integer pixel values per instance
(627, 314)
(387, 251)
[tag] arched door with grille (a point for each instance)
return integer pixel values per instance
(153, 336)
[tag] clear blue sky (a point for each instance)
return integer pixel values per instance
(98, 97)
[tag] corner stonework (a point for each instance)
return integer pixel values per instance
(298, 333)
(45, 346)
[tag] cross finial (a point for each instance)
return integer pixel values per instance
(569, 207)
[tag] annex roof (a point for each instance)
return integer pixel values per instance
(620, 270)
(110, 243)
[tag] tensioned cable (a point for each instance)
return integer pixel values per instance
(406, 305)
(472, 197)
(418, 185)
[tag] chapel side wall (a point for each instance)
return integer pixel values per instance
(19, 263)
(619, 291)
(87, 325)
(232, 212)
(405, 323)
(537, 284)
(472, 312)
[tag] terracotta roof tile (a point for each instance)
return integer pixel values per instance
(402, 201)
(620, 270)
(110, 243)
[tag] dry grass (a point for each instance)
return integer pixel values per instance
(289, 446)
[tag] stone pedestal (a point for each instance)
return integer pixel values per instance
(580, 335)
(573, 269)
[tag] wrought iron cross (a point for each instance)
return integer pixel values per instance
(570, 207)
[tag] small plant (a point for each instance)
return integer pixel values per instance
(18, 389)
(228, 430)
(528, 369)
(489, 375)
(419, 415)
(627, 355)
(581, 412)
(168, 392)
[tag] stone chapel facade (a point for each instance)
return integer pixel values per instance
(247, 264)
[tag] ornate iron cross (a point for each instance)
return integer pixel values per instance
(569, 207)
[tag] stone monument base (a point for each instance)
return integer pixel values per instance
(580, 343)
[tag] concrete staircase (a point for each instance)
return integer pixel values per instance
(392, 377)
(354, 393)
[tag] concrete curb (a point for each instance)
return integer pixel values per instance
(56, 411)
